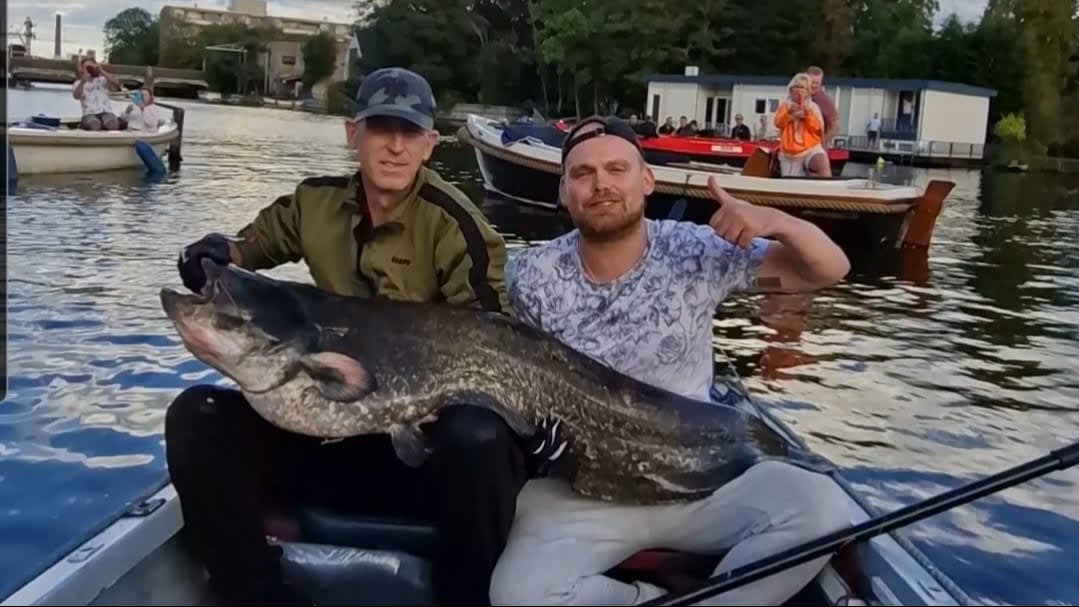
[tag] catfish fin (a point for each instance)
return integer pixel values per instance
(339, 377)
(409, 444)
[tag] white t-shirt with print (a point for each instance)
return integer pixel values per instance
(95, 96)
(655, 322)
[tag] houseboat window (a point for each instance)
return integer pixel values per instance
(773, 105)
(759, 106)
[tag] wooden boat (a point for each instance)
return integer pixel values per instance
(341, 559)
(62, 147)
(857, 213)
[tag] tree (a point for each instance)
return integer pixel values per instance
(1047, 36)
(835, 36)
(131, 37)
(319, 58)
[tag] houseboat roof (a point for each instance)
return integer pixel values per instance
(869, 83)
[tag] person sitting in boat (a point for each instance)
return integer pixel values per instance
(687, 129)
(92, 90)
(140, 114)
(740, 130)
(763, 132)
(393, 229)
(640, 295)
(801, 131)
(667, 128)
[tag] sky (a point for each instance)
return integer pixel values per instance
(83, 20)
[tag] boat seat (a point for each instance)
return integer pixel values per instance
(325, 526)
(416, 539)
(336, 575)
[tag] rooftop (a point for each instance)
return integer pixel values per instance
(202, 9)
(869, 83)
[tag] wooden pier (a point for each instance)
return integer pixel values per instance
(165, 80)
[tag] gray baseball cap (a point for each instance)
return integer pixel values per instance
(395, 91)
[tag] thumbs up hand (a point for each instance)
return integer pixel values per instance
(739, 221)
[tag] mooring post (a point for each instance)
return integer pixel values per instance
(175, 158)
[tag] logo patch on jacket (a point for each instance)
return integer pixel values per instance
(401, 261)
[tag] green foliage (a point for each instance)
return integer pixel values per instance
(131, 38)
(319, 56)
(1011, 127)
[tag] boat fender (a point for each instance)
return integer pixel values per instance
(12, 168)
(149, 158)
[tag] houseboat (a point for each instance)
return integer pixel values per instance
(921, 122)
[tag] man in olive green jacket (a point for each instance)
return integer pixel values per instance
(395, 229)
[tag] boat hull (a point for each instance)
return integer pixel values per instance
(854, 231)
(39, 151)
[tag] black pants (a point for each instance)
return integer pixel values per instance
(229, 466)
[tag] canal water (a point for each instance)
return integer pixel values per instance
(913, 382)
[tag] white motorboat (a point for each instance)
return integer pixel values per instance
(65, 148)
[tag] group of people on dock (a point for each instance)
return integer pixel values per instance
(92, 88)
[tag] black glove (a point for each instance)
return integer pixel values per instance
(545, 447)
(214, 246)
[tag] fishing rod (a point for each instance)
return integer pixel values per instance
(1059, 459)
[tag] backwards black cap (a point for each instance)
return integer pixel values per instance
(600, 126)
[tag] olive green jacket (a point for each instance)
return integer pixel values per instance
(435, 246)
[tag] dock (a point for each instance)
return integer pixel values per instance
(914, 153)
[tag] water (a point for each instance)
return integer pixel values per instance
(914, 386)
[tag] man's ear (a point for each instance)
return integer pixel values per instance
(432, 143)
(649, 178)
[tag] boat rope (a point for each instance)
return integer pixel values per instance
(852, 205)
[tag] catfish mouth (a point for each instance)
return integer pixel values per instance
(179, 304)
(193, 316)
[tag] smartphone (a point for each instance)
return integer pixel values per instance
(136, 97)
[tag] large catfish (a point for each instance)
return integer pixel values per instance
(326, 365)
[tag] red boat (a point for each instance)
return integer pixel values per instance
(718, 150)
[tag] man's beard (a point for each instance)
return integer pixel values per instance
(608, 230)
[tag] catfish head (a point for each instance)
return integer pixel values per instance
(256, 331)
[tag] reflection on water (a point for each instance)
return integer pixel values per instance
(914, 379)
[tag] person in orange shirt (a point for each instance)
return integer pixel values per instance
(801, 132)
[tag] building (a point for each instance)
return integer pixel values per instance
(921, 119)
(284, 59)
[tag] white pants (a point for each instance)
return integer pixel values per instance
(562, 542)
(798, 166)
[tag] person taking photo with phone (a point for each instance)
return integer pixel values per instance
(92, 90)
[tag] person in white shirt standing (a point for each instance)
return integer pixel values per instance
(92, 89)
(872, 129)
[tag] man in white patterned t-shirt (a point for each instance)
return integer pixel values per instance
(640, 296)
(92, 89)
